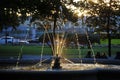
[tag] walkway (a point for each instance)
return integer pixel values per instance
(33, 59)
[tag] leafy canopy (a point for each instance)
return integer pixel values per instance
(14, 12)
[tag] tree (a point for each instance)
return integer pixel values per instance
(14, 12)
(8, 18)
(102, 13)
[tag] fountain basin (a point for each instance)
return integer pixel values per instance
(34, 59)
(94, 74)
(70, 71)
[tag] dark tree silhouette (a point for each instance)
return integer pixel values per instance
(106, 15)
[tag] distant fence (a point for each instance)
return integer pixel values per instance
(96, 74)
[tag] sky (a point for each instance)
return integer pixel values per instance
(90, 0)
(80, 12)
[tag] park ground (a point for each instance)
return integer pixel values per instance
(15, 50)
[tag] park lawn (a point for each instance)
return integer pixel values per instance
(10, 50)
(113, 41)
(83, 52)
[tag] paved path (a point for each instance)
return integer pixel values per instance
(32, 59)
(25, 59)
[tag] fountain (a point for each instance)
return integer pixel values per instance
(61, 67)
(57, 66)
(57, 61)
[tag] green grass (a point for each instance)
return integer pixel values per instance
(83, 52)
(36, 50)
(113, 41)
(15, 50)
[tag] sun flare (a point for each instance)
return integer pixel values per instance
(79, 12)
(97, 1)
(76, 0)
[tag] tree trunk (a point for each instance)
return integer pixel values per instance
(6, 34)
(109, 41)
(108, 31)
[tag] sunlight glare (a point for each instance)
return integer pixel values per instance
(18, 14)
(106, 1)
(95, 1)
(76, 0)
(81, 13)
(28, 14)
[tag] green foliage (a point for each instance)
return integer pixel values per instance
(102, 14)
(8, 18)
(69, 15)
(9, 11)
